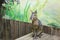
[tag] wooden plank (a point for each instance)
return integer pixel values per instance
(7, 29)
(1, 29)
(12, 30)
(43, 37)
(19, 28)
(28, 28)
(22, 25)
(16, 29)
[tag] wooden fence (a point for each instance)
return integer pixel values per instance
(11, 29)
(14, 29)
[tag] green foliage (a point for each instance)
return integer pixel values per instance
(21, 12)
